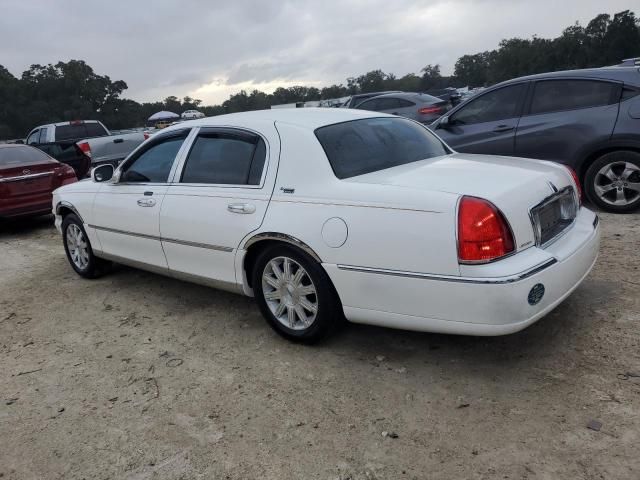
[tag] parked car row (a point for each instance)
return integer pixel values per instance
(586, 119)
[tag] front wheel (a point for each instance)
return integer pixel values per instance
(295, 295)
(78, 248)
(612, 182)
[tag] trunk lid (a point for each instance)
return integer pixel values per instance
(27, 181)
(514, 185)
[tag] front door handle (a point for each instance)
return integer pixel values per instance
(146, 202)
(118, 140)
(503, 128)
(241, 208)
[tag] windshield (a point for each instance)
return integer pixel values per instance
(371, 144)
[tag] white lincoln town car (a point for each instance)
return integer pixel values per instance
(326, 214)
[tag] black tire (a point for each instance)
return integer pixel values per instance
(328, 315)
(593, 180)
(94, 266)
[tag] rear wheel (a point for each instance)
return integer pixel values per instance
(295, 294)
(78, 248)
(612, 182)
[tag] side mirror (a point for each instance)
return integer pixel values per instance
(444, 122)
(103, 173)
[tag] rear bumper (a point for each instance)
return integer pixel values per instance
(494, 305)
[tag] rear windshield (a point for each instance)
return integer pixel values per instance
(23, 155)
(79, 131)
(371, 144)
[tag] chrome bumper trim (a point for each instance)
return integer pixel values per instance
(25, 177)
(452, 278)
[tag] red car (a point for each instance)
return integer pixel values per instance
(28, 176)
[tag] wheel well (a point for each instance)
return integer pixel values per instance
(597, 154)
(64, 211)
(259, 246)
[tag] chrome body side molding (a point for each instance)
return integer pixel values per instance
(452, 278)
(163, 239)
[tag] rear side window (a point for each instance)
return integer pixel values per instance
(368, 145)
(559, 95)
(499, 104)
(225, 157)
(94, 129)
(33, 138)
(70, 132)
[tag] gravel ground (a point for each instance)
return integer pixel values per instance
(138, 376)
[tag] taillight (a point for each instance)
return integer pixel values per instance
(576, 182)
(483, 232)
(86, 148)
(430, 110)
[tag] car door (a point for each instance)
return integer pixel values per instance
(486, 124)
(219, 195)
(126, 212)
(567, 116)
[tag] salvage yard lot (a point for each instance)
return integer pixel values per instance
(139, 376)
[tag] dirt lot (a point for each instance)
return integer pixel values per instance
(138, 376)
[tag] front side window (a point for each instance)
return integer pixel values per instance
(371, 144)
(225, 158)
(372, 105)
(560, 95)
(499, 104)
(154, 163)
(33, 138)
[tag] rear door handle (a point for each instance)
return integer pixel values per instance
(146, 202)
(503, 128)
(241, 208)
(118, 140)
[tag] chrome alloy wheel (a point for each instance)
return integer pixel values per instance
(78, 246)
(618, 183)
(289, 293)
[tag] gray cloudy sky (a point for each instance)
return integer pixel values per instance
(210, 49)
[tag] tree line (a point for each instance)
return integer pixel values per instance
(72, 90)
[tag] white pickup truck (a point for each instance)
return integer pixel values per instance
(94, 140)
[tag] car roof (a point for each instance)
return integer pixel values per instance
(309, 117)
(421, 97)
(620, 73)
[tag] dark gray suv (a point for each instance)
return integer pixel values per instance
(587, 119)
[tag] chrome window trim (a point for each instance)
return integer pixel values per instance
(118, 170)
(452, 278)
(163, 239)
(179, 167)
(31, 176)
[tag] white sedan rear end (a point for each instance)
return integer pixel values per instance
(327, 213)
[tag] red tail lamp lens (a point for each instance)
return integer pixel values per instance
(483, 232)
